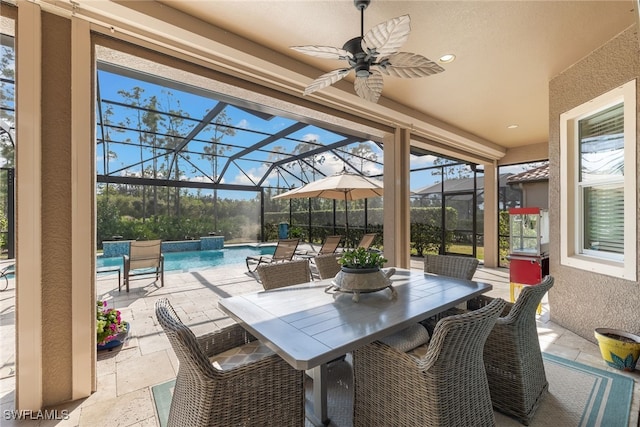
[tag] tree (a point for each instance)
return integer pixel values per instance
(362, 153)
(7, 102)
(450, 170)
(152, 120)
(214, 151)
(134, 98)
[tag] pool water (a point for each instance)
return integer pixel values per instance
(197, 260)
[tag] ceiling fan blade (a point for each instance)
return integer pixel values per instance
(325, 52)
(326, 79)
(409, 65)
(370, 87)
(386, 38)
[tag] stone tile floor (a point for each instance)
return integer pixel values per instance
(125, 376)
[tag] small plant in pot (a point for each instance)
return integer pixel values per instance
(110, 328)
(361, 260)
(360, 272)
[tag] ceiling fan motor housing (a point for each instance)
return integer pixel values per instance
(361, 4)
(359, 62)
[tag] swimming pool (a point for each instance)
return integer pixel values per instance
(197, 260)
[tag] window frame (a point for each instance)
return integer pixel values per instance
(571, 194)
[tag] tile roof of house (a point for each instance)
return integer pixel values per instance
(541, 173)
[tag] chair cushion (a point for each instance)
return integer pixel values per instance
(419, 352)
(408, 338)
(239, 356)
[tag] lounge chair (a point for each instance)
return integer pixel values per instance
(367, 240)
(285, 250)
(4, 273)
(329, 246)
(145, 258)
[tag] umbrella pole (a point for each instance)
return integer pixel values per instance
(346, 218)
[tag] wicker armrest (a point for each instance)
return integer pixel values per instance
(430, 323)
(224, 339)
(482, 300)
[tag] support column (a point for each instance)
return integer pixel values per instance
(83, 184)
(491, 248)
(28, 207)
(397, 243)
(55, 279)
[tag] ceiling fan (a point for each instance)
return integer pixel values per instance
(372, 55)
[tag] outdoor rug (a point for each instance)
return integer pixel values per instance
(579, 395)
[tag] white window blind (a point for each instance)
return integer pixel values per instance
(601, 178)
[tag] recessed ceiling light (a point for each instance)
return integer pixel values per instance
(445, 59)
(514, 126)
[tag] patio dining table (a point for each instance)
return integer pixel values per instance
(309, 327)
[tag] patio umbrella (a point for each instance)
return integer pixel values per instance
(342, 186)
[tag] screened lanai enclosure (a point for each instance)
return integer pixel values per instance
(181, 155)
(177, 160)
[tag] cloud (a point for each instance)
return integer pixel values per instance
(243, 124)
(418, 161)
(309, 137)
(253, 174)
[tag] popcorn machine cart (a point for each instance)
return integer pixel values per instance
(529, 243)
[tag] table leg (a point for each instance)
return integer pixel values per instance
(319, 398)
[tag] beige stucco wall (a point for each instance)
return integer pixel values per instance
(581, 300)
(535, 194)
(56, 207)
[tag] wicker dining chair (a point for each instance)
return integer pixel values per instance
(327, 265)
(512, 355)
(460, 267)
(442, 383)
(283, 274)
(228, 378)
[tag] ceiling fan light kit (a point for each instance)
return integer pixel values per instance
(370, 56)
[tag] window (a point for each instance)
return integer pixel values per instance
(598, 189)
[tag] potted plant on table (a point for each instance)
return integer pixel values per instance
(360, 272)
(111, 330)
(361, 260)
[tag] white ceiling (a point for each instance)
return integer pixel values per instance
(507, 51)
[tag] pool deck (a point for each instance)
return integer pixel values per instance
(125, 375)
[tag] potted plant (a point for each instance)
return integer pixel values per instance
(111, 330)
(361, 260)
(619, 349)
(360, 272)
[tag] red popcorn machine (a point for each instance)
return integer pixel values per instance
(529, 247)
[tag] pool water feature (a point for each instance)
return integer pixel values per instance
(198, 260)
